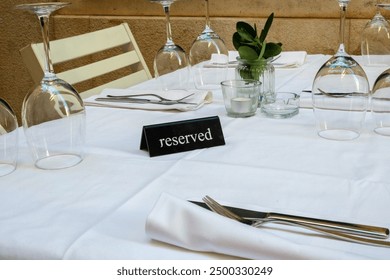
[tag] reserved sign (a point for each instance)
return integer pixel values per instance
(182, 136)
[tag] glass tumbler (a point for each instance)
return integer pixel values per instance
(8, 139)
(241, 97)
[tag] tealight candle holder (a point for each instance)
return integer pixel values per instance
(241, 97)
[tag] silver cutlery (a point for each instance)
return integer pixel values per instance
(219, 209)
(357, 229)
(143, 101)
(149, 94)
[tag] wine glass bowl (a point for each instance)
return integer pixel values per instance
(8, 139)
(375, 43)
(340, 93)
(171, 58)
(208, 57)
(380, 104)
(53, 114)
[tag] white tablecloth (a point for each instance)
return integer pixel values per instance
(98, 209)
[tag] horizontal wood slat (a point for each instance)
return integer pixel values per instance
(99, 68)
(123, 82)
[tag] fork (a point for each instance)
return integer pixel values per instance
(150, 94)
(223, 211)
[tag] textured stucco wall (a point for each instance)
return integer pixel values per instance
(310, 25)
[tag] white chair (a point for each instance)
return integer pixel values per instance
(92, 49)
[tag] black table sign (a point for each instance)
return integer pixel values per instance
(181, 136)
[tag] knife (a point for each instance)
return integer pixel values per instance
(356, 229)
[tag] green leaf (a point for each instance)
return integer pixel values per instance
(252, 47)
(236, 40)
(267, 26)
(272, 49)
(248, 53)
(246, 31)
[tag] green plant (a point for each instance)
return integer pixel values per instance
(253, 47)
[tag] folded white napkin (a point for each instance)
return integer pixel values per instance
(199, 98)
(184, 224)
(290, 59)
(233, 56)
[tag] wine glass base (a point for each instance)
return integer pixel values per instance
(339, 134)
(58, 161)
(6, 168)
(385, 131)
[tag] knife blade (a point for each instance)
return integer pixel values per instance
(350, 228)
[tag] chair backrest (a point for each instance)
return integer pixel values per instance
(99, 51)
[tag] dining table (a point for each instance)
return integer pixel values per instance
(101, 209)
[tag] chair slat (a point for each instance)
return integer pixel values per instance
(99, 68)
(123, 82)
(73, 48)
(66, 49)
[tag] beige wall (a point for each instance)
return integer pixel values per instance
(310, 25)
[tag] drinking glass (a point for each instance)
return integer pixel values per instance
(171, 58)
(375, 45)
(240, 97)
(208, 57)
(8, 139)
(53, 113)
(340, 92)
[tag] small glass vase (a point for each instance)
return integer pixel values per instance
(262, 71)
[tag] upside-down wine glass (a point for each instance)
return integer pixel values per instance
(53, 113)
(208, 57)
(171, 58)
(8, 139)
(380, 104)
(340, 92)
(375, 44)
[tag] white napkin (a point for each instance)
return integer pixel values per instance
(181, 223)
(290, 59)
(199, 99)
(233, 56)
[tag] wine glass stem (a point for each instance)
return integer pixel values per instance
(207, 15)
(44, 23)
(343, 11)
(168, 25)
